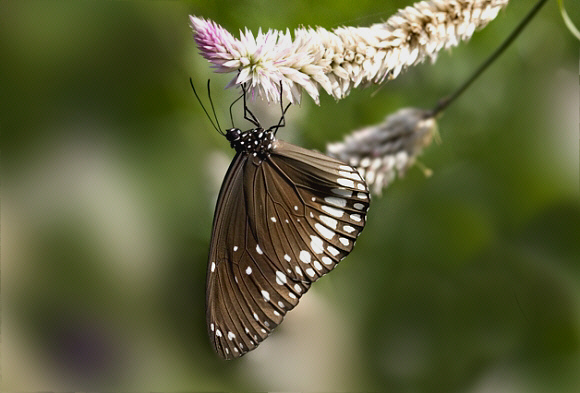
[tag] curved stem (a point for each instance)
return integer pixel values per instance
(446, 101)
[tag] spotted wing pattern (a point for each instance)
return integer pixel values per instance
(280, 224)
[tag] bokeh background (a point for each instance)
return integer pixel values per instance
(467, 281)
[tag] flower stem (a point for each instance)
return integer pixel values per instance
(446, 101)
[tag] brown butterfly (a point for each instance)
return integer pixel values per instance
(285, 216)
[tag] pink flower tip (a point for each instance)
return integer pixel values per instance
(211, 38)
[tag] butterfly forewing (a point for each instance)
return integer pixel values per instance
(281, 222)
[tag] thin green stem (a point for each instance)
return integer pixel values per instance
(446, 101)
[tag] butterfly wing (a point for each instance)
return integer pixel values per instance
(280, 224)
(226, 249)
(313, 210)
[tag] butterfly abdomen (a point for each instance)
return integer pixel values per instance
(257, 142)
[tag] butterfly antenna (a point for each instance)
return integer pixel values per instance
(203, 107)
(212, 107)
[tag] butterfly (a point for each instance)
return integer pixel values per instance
(285, 216)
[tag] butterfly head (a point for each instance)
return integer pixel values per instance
(257, 141)
(233, 135)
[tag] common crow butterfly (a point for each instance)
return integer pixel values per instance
(285, 216)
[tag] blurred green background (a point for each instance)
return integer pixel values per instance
(467, 281)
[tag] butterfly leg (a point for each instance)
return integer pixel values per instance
(247, 110)
(231, 106)
(282, 122)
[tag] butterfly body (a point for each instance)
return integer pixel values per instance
(256, 142)
(285, 217)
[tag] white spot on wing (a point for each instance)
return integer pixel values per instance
(258, 249)
(316, 244)
(348, 228)
(273, 219)
(333, 211)
(248, 270)
(344, 241)
(231, 336)
(317, 265)
(342, 192)
(355, 217)
(326, 260)
(345, 182)
(298, 270)
(350, 175)
(266, 295)
(298, 288)
(359, 206)
(213, 267)
(310, 271)
(329, 222)
(361, 195)
(345, 168)
(324, 231)
(361, 187)
(291, 294)
(287, 257)
(305, 256)
(280, 278)
(340, 202)
(332, 250)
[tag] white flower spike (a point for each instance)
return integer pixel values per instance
(382, 151)
(344, 58)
